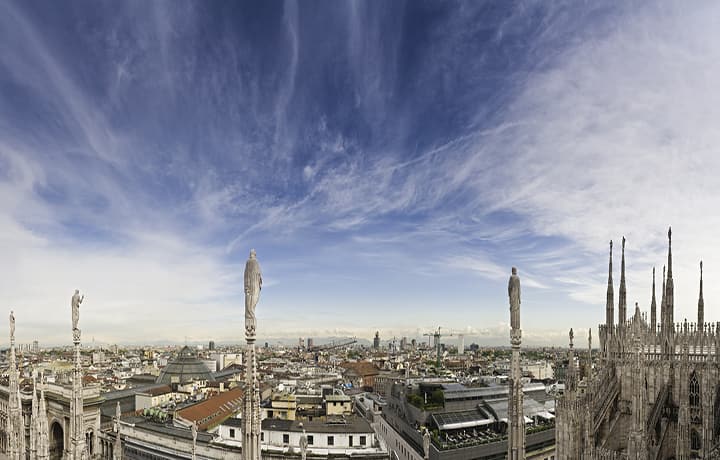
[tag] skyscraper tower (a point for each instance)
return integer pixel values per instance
(251, 407)
(516, 433)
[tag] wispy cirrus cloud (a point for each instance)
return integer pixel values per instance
(381, 158)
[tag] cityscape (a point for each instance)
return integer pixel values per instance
(359, 230)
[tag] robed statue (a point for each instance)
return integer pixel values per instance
(12, 324)
(514, 294)
(426, 444)
(75, 304)
(303, 444)
(253, 285)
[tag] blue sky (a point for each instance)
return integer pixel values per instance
(389, 161)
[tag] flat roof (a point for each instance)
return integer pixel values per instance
(348, 424)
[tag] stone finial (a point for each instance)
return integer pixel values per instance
(669, 264)
(701, 301)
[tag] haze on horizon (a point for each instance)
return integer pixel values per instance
(388, 161)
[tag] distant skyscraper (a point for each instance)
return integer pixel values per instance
(211, 345)
(310, 342)
(376, 340)
(36, 347)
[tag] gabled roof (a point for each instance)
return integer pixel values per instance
(361, 368)
(215, 410)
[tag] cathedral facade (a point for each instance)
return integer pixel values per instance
(655, 390)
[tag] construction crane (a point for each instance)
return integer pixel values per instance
(436, 336)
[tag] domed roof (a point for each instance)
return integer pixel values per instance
(186, 367)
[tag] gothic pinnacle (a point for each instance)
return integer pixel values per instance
(701, 301)
(653, 305)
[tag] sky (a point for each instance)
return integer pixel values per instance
(389, 162)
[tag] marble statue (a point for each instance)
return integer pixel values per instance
(193, 429)
(303, 444)
(253, 285)
(514, 294)
(426, 444)
(12, 324)
(75, 303)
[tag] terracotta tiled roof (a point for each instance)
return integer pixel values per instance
(215, 410)
(362, 368)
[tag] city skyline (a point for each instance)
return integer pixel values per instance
(388, 162)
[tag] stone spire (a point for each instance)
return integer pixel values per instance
(653, 306)
(663, 304)
(570, 377)
(34, 422)
(516, 415)
(15, 420)
(589, 359)
(669, 286)
(77, 448)
(701, 303)
(610, 304)
(251, 405)
(637, 439)
(622, 294)
(117, 447)
(43, 444)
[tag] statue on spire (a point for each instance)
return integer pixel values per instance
(75, 305)
(253, 285)
(514, 295)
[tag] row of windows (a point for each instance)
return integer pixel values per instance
(310, 439)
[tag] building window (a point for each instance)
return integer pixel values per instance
(363, 440)
(262, 435)
(331, 440)
(286, 439)
(695, 440)
(350, 441)
(694, 391)
(310, 440)
(232, 432)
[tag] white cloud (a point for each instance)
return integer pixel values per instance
(618, 136)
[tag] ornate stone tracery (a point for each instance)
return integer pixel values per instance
(654, 392)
